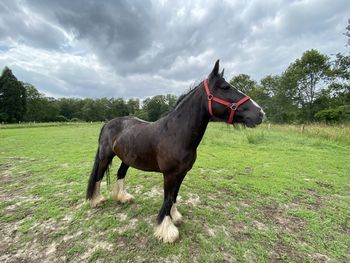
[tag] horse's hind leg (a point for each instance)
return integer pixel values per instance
(175, 214)
(97, 198)
(166, 230)
(119, 192)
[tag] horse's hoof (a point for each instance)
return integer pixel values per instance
(126, 198)
(167, 231)
(98, 201)
(123, 197)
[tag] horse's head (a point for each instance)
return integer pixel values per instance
(228, 104)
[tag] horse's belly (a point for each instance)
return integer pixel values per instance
(142, 159)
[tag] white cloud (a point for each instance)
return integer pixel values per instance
(142, 48)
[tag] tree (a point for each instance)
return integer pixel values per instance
(347, 32)
(279, 103)
(305, 78)
(119, 108)
(340, 79)
(70, 107)
(244, 83)
(156, 106)
(133, 106)
(36, 106)
(91, 112)
(12, 97)
(170, 100)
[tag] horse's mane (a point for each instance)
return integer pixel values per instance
(182, 98)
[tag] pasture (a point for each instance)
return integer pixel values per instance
(262, 195)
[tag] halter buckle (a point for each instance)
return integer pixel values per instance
(210, 97)
(233, 106)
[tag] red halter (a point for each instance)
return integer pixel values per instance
(232, 105)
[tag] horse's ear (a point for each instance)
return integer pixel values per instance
(222, 73)
(215, 70)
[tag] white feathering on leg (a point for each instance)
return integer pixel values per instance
(167, 231)
(175, 215)
(97, 199)
(119, 193)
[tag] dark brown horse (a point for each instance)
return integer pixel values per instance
(169, 145)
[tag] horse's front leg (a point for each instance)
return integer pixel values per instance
(166, 230)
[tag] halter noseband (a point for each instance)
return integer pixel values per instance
(233, 106)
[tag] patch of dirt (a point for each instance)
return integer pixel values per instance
(211, 232)
(73, 236)
(204, 170)
(260, 226)
(22, 159)
(131, 225)
(44, 241)
(45, 247)
(227, 257)
(249, 256)
(171, 259)
(314, 204)
(320, 257)
(240, 232)
(61, 240)
(156, 191)
(325, 184)
(283, 221)
(8, 179)
(193, 199)
(245, 203)
(281, 251)
(122, 216)
(138, 189)
(247, 171)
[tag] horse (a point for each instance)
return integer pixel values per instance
(168, 145)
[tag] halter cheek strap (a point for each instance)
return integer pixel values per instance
(232, 105)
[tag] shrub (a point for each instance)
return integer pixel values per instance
(334, 115)
(61, 118)
(75, 120)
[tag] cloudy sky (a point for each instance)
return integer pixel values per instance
(142, 48)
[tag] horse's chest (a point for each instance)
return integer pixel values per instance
(176, 160)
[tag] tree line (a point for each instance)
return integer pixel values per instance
(22, 102)
(315, 87)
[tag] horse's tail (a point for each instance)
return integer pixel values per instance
(93, 176)
(94, 173)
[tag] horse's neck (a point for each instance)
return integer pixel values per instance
(192, 118)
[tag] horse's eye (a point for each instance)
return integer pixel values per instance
(225, 87)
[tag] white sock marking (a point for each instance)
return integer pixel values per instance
(97, 198)
(167, 231)
(175, 215)
(119, 193)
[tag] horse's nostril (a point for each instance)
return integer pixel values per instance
(262, 115)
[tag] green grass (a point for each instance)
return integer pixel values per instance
(263, 195)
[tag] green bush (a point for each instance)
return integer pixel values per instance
(75, 120)
(61, 118)
(334, 115)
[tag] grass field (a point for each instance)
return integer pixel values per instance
(262, 195)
